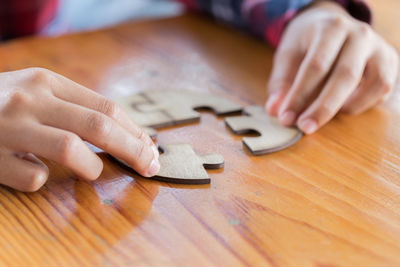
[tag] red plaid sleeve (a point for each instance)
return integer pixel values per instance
(23, 17)
(267, 18)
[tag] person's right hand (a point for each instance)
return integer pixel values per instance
(45, 114)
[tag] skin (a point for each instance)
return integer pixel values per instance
(45, 114)
(328, 62)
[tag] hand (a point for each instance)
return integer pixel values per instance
(328, 62)
(45, 114)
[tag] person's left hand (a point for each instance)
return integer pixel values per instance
(328, 62)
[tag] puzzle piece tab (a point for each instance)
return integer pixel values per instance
(181, 165)
(273, 136)
(160, 108)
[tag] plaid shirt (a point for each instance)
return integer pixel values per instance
(265, 18)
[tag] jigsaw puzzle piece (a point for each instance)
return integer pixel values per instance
(180, 164)
(213, 161)
(130, 103)
(160, 108)
(180, 105)
(153, 118)
(273, 136)
(174, 107)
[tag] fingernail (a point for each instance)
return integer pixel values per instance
(155, 152)
(154, 168)
(287, 118)
(308, 126)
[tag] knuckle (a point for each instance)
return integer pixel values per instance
(109, 108)
(98, 125)
(40, 75)
(365, 30)
(19, 99)
(385, 84)
(319, 64)
(66, 148)
(348, 72)
(337, 21)
(386, 87)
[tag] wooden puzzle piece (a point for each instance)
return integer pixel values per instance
(273, 136)
(160, 108)
(180, 164)
(147, 120)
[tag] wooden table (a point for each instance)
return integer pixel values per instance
(333, 199)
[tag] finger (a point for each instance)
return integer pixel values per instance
(364, 98)
(20, 174)
(104, 133)
(31, 158)
(83, 96)
(313, 70)
(379, 80)
(286, 63)
(345, 78)
(55, 144)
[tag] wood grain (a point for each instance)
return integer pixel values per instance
(333, 199)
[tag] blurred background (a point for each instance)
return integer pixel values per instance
(78, 15)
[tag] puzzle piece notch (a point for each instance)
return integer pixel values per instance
(180, 164)
(152, 119)
(161, 108)
(273, 136)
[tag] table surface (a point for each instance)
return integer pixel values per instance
(333, 199)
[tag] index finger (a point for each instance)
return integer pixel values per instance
(83, 96)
